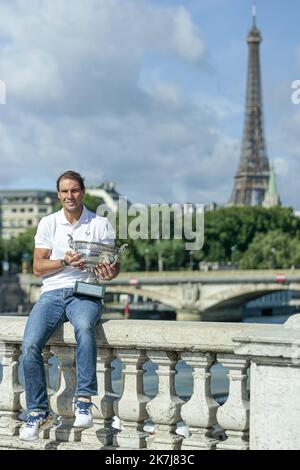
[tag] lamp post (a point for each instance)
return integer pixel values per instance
(147, 261)
(160, 258)
(160, 262)
(5, 262)
(272, 257)
(233, 249)
(25, 262)
(191, 260)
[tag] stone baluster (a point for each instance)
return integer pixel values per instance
(131, 407)
(47, 355)
(62, 400)
(199, 413)
(9, 390)
(164, 409)
(23, 405)
(101, 434)
(233, 416)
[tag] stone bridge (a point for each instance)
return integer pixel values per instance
(208, 296)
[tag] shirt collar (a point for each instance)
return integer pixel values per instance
(84, 218)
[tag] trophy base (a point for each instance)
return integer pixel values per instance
(93, 290)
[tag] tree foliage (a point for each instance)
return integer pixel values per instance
(275, 249)
(250, 237)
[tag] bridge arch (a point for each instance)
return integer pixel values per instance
(228, 296)
(238, 296)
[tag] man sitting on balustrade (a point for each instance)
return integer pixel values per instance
(60, 268)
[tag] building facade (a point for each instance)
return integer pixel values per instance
(107, 194)
(21, 210)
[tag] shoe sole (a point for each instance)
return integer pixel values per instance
(48, 424)
(83, 427)
(29, 440)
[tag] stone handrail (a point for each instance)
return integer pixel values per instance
(268, 352)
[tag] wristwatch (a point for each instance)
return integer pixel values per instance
(63, 262)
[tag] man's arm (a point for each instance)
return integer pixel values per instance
(42, 265)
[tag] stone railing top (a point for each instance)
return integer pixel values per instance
(205, 277)
(155, 334)
(293, 322)
(268, 342)
(207, 274)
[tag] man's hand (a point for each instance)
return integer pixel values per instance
(74, 259)
(107, 271)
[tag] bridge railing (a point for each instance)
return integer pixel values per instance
(259, 349)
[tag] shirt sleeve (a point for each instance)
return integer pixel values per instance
(42, 237)
(109, 234)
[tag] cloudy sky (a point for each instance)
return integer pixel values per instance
(148, 93)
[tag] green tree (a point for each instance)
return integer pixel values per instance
(17, 247)
(237, 227)
(253, 237)
(275, 249)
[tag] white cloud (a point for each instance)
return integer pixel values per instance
(75, 100)
(284, 145)
(188, 43)
(35, 80)
(281, 167)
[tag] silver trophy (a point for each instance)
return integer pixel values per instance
(94, 253)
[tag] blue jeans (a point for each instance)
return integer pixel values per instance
(52, 309)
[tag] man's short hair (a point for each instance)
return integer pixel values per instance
(71, 175)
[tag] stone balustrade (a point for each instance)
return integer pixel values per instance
(268, 354)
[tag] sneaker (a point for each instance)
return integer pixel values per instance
(83, 414)
(35, 423)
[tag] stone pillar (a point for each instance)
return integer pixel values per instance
(233, 416)
(62, 400)
(188, 311)
(9, 390)
(131, 407)
(199, 413)
(101, 434)
(47, 355)
(188, 314)
(274, 386)
(164, 409)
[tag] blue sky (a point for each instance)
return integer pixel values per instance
(148, 93)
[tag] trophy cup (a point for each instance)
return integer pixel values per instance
(94, 253)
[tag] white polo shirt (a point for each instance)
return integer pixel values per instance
(52, 234)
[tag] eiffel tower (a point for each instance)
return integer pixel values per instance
(252, 178)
